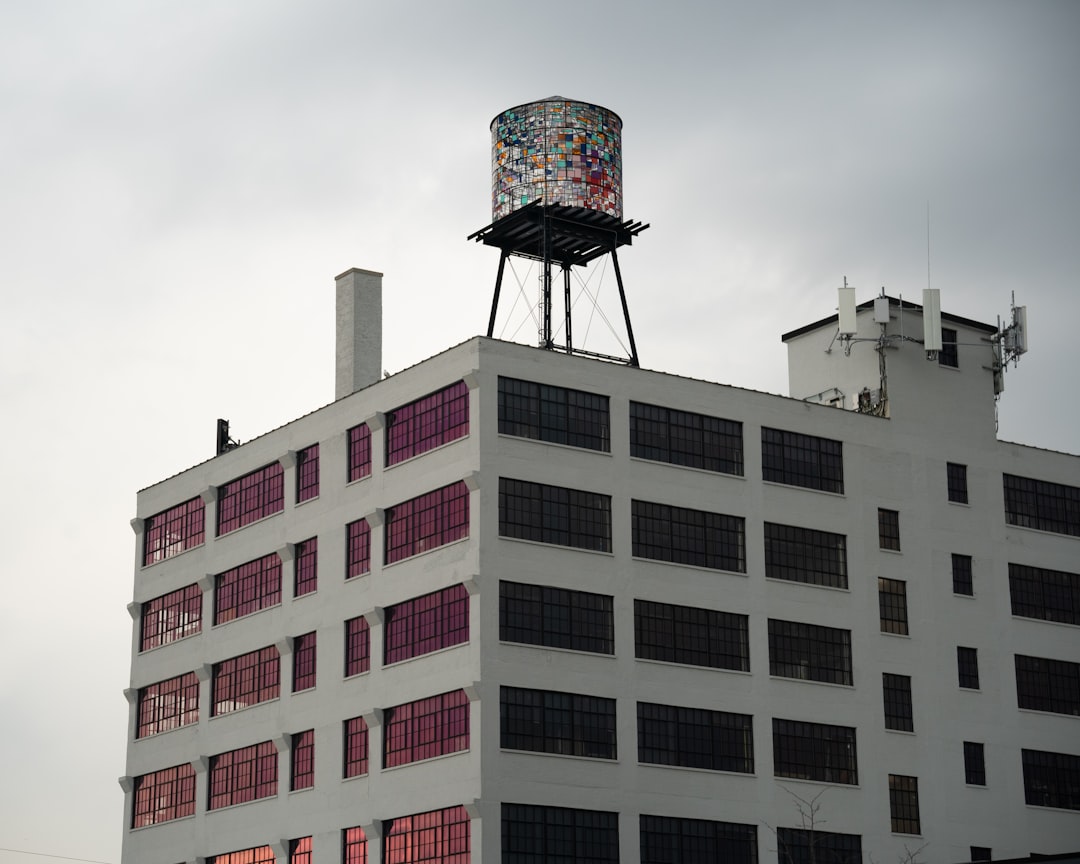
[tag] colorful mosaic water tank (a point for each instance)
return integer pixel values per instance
(557, 150)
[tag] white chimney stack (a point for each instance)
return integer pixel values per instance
(359, 330)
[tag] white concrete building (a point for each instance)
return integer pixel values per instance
(562, 610)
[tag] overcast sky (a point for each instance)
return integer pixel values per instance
(180, 183)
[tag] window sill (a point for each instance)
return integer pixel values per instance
(358, 674)
(426, 761)
(241, 804)
(707, 472)
(904, 834)
(572, 447)
(242, 710)
(699, 567)
(218, 535)
(976, 785)
(780, 485)
(964, 504)
(601, 759)
(167, 644)
(172, 557)
(1014, 617)
(557, 546)
(576, 651)
(965, 596)
(969, 689)
(909, 732)
(890, 551)
(367, 476)
(708, 771)
(807, 780)
(1036, 711)
(1043, 531)
(746, 672)
(245, 616)
(396, 663)
(163, 822)
(305, 501)
(773, 677)
(807, 584)
(413, 458)
(895, 635)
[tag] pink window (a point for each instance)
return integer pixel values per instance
(251, 497)
(306, 555)
(426, 728)
(356, 747)
(164, 795)
(427, 522)
(300, 851)
(248, 588)
(358, 551)
(302, 775)
(168, 705)
(304, 662)
(359, 452)
(357, 646)
(172, 531)
(307, 473)
(426, 624)
(258, 855)
(354, 846)
(427, 423)
(246, 680)
(170, 617)
(439, 836)
(243, 775)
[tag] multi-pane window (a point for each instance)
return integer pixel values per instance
(1043, 505)
(356, 747)
(533, 834)
(814, 751)
(426, 728)
(980, 853)
(427, 423)
(172, 531)
(167, 705)
(552, 514)
(683, 438)
(242, 775)
(357, 548)
(805, 555)
(357, 646)
(547, 721)
(359, 464)
(806, 846)
(963, 581)
(170, 617)
(904, 804)
(1051, 779)
(245, 680)
(948, 355)
(251, 497)
(809, 652)
(354, 846)
(554, 414)
(307, 473)
(300, 851)
(888, 522)
(248, 588)
(974, 764)
(1050, 595)
(425, 624)
(695, 738)
(306, 559)
(691, 635)
(892, 605)
(683, 536)
(435, 837)
(670, 840)
(1043, 684)
(967, 667)
(302, 770)
(164, 795)
(897, 695)
(556, 617)
(256, 855)
(957, 480)
(427, 522)
(304, 650)
(802, 460)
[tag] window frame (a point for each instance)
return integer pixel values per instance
(805, 461)
(888, 529)
(422, 625)
(554, 515)
(821, 752)
(575, 836)
(167, 705)
(1043, 594)
(822, 653)
(974, 763)
(949, 353)
(667, 839)
(805, 555)
(429, 521)
(426, 728)
(302, 760)
(724, 740)
(357, 646)
(686, 439)
(956, 481)
(250, 498)
(174, 530)
(254, 674)
(904, 804)
(358, 442)
(175, 786)
(554, 415)
(304, 656)
(691, 635)
(1042, 505)
(170, 617)
(356, 748)
(967, 667)
(247, 588)
(434, 837)
(896, 696)
(892, 606)
(307, 473)
(693, 538)
(242, 775)
(557, 722)
(542, 615)
(1051, 779)
(963, 575)
(306, 567)
(427, 423)
(794, 846)
(1047, 684)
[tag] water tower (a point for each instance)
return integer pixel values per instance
(556, 199)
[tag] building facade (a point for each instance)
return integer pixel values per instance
(510, 605)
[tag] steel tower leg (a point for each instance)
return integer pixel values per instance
(566, 299)
(498, 286)
(625, 310)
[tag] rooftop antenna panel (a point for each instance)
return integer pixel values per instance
(931, 321)
(846, 308)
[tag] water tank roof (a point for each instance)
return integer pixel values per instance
(553, 99)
